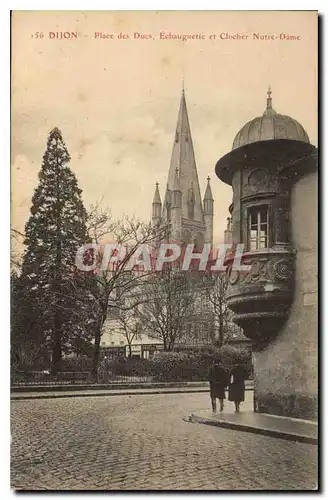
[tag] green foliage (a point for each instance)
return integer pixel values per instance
(177, 366)
(52, 303)
(192, 364)
(189, 364)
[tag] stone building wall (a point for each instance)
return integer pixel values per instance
(286, 371)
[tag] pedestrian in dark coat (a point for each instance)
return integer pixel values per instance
(218, 380)
(238, 375)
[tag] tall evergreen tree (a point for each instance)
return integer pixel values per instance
(54, 232)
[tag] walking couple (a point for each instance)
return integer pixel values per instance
(234, 379)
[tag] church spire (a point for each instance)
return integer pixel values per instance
(208, 213)
(157, 206)
(183, 159)
(157, 198)
(208, 193)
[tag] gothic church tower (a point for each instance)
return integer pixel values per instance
(191, 219)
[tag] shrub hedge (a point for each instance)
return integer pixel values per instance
(189, 364)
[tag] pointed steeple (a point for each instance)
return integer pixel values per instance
(157, 206)
(183, 159)
(157, 198)
(208, 213)
(208, 199)
(208, 193)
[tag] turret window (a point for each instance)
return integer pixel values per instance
(258, 228)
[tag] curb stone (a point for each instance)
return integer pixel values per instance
(15, 397)
(112, 387)
(265, 431)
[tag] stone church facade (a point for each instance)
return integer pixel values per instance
(272, 169)
(190, 218)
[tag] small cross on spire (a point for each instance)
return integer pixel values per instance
(269, 92)
(208, 178)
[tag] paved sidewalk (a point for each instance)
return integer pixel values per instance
(293, 429)
(123, 391)
(112, 386)
(108, 386)
(105, 392)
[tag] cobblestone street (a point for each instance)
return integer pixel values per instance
(141, 442)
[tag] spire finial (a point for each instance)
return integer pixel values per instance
(269, 98)
(208, 179)
(269, 111)
(157, 184)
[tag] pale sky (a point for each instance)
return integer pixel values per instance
(116, 101)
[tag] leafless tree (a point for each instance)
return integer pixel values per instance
(131, 327)
(168, 303)
(108, 287)
(215, 287)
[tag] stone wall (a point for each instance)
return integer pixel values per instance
(286, 370)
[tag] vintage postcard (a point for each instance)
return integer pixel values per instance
(164, 250)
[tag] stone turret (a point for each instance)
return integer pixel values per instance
(272, 169)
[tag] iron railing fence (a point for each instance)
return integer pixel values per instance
(104, 377)
(115, 375)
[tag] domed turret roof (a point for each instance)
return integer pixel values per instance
(271, 125)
